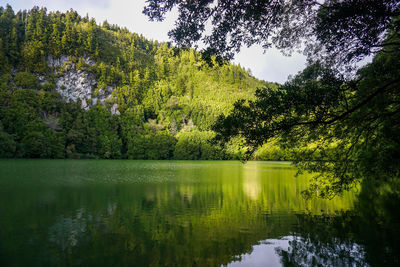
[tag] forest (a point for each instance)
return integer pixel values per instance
(162, 100)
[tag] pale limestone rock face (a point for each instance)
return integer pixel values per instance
(55, 62)
(74, 85)
(114, 109)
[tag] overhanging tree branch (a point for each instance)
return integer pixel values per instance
(348, 112)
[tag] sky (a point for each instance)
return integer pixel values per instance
(270, 66)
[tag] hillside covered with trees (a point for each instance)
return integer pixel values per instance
(139, 99)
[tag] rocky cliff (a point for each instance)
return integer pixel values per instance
(75, 84)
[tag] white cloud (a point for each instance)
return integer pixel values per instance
(271, 66)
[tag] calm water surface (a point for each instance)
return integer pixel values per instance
(177, 213)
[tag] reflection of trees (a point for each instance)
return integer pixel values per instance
(367, 235)
(321, 241)
(70, 232)
(378, 225)
(206, 218)
(67, 231)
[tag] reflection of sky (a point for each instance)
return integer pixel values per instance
(271, 66)
(266, 253)
(263, 254)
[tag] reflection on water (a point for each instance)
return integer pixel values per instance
(251, 182)
(264, 254)
(317, 244)
(179, 213)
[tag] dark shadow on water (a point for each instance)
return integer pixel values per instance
(368, 235)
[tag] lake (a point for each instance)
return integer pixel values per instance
(175, 213)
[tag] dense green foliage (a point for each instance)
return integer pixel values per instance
(339, 121)
(167, 98)
(342, 127)
(345, 29)
(345, 130)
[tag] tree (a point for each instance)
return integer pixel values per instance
(195, 145)
(34, 144)
(7, 144)
(343, 130)
(26, 80)
(351, 28)
(55, 40)
(33, 55)
(339, 124)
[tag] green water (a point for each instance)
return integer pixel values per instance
(157, 213)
